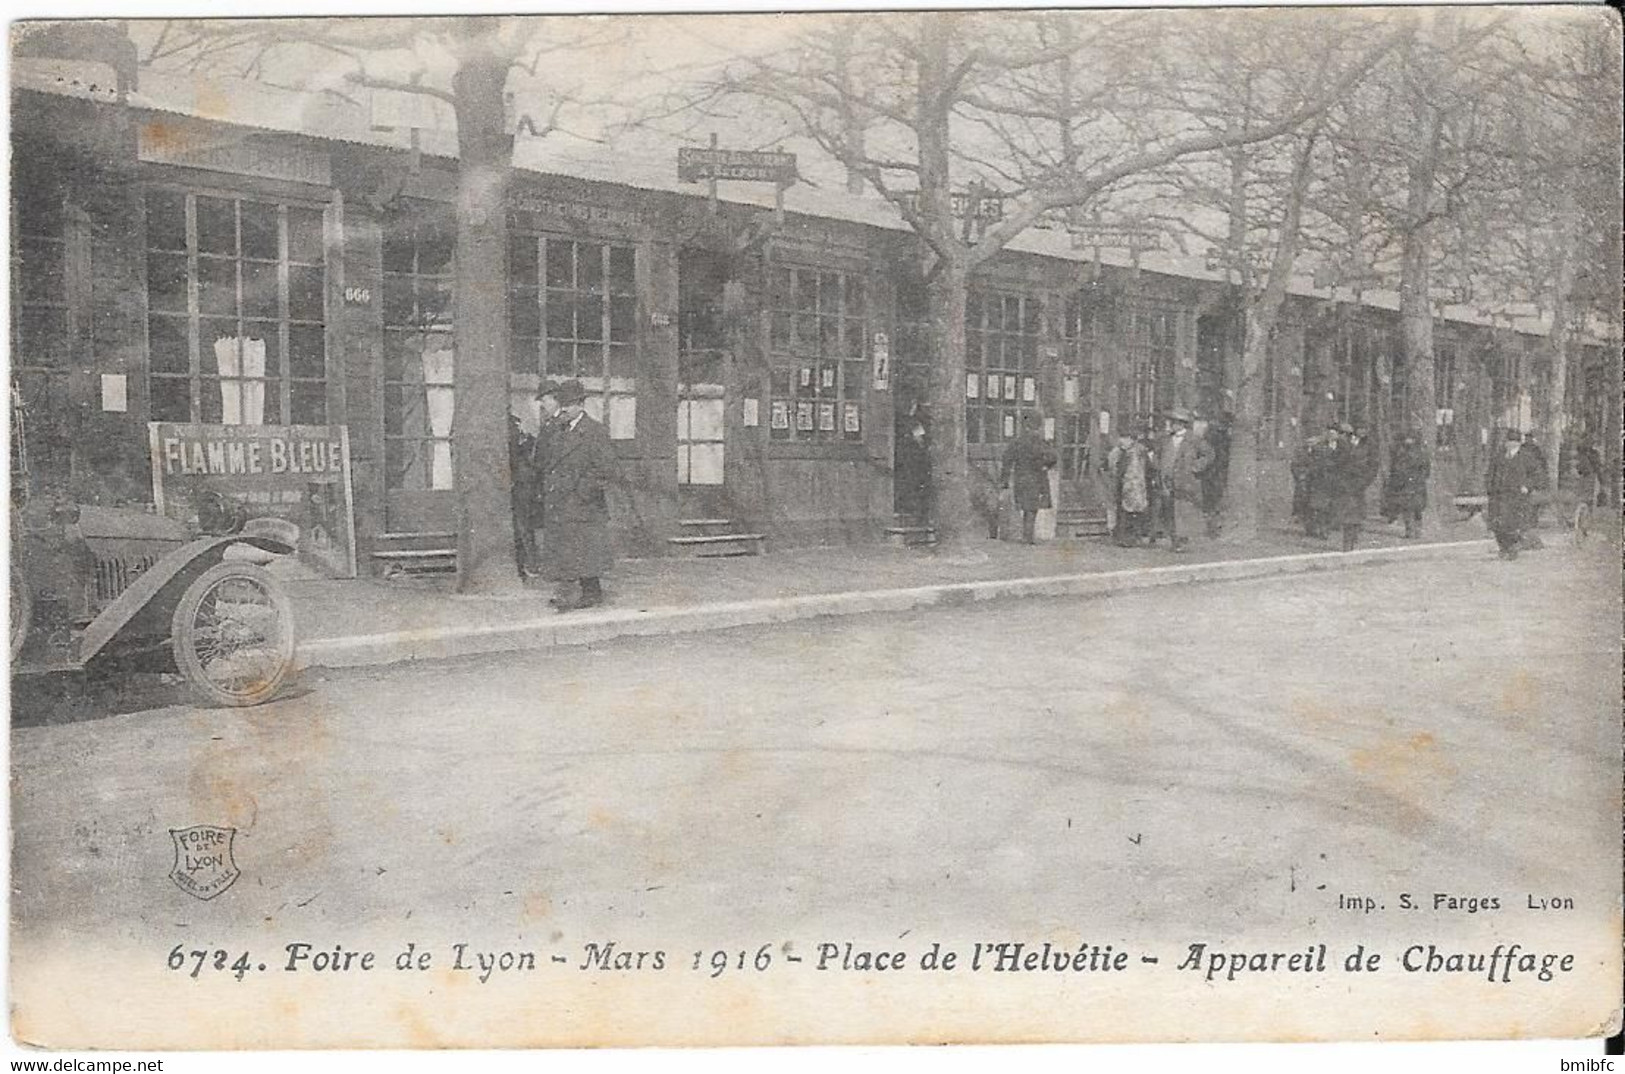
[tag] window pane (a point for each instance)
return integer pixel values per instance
(623, 318)
(166, 345)
(560, 318)
(589, 360)
(560, 264)
(216, 285)
(398, 300)
(401, 469)
(262, 350)
(781, 331)
(589, 318)
(171, 399)
(854, 296)
(308, 403)
(398, 247)
(623, 360)
(260, 292)
(437, 239)
(522, 265)
(434, 302)
(304, 235)
(216, 226)
(305, 293)
(590, 268)
(219, 348)
(806, 292)
(829, 293)
(260, 231)
(210, 410)
(166, 220)
(307, 351)
(524, 313)
(525, 356)
(405, 410)
(166, 282)
(622, 271)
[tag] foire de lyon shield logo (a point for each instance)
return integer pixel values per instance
(203, 862)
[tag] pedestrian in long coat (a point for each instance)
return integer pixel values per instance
(1132, 476)
(1181, 460)
(1356, 469)
(1027, 462)
(1510, 482)
(579, 468)
(1405, 492)
(1216, 477)
(1325, 464)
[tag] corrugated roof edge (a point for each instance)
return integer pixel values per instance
(257, 106)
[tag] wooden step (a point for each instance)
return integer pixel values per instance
(910, 536)
(401, 561)
(719, 544)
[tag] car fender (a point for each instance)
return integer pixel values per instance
(150, 600)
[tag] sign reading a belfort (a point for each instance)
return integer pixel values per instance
(297, 472)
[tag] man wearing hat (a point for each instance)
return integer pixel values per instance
(577, 469)
(1181, 460)
(1510, 483)
(1325, 467)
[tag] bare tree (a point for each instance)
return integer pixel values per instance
(1055, 109)
(466, 62)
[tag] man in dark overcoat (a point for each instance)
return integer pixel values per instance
(1511, 481)
(1405, 492)
(1027, 462)
(578, 469)
(1326, 457)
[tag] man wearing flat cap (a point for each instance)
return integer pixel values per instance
(577, 469)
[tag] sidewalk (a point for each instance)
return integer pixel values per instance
(349, 623)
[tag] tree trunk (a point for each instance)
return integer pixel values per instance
(1416, 311)
(1558, 341)
(950, 480)
(485, 550)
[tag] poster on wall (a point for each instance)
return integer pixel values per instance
(296, 472)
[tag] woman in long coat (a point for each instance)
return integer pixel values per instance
(578, 470)
(1027, 462)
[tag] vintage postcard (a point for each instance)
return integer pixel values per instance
(883, 527)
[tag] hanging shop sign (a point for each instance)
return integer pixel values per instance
(1115, 236)
(296, 472)
(696, 164)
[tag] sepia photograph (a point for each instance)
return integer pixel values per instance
(969, 526)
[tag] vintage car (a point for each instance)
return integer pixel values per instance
(107, 588)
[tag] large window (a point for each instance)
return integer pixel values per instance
(816, 338)
(1151, 339)
(573, 314)
(1001, 364)
(418, 348)
(1444, 394)
(40, 347)
(237, 310)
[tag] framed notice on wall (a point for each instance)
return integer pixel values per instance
(296, 472)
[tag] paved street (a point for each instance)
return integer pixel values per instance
(1204, 762)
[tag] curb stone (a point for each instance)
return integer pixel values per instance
(437, 643)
